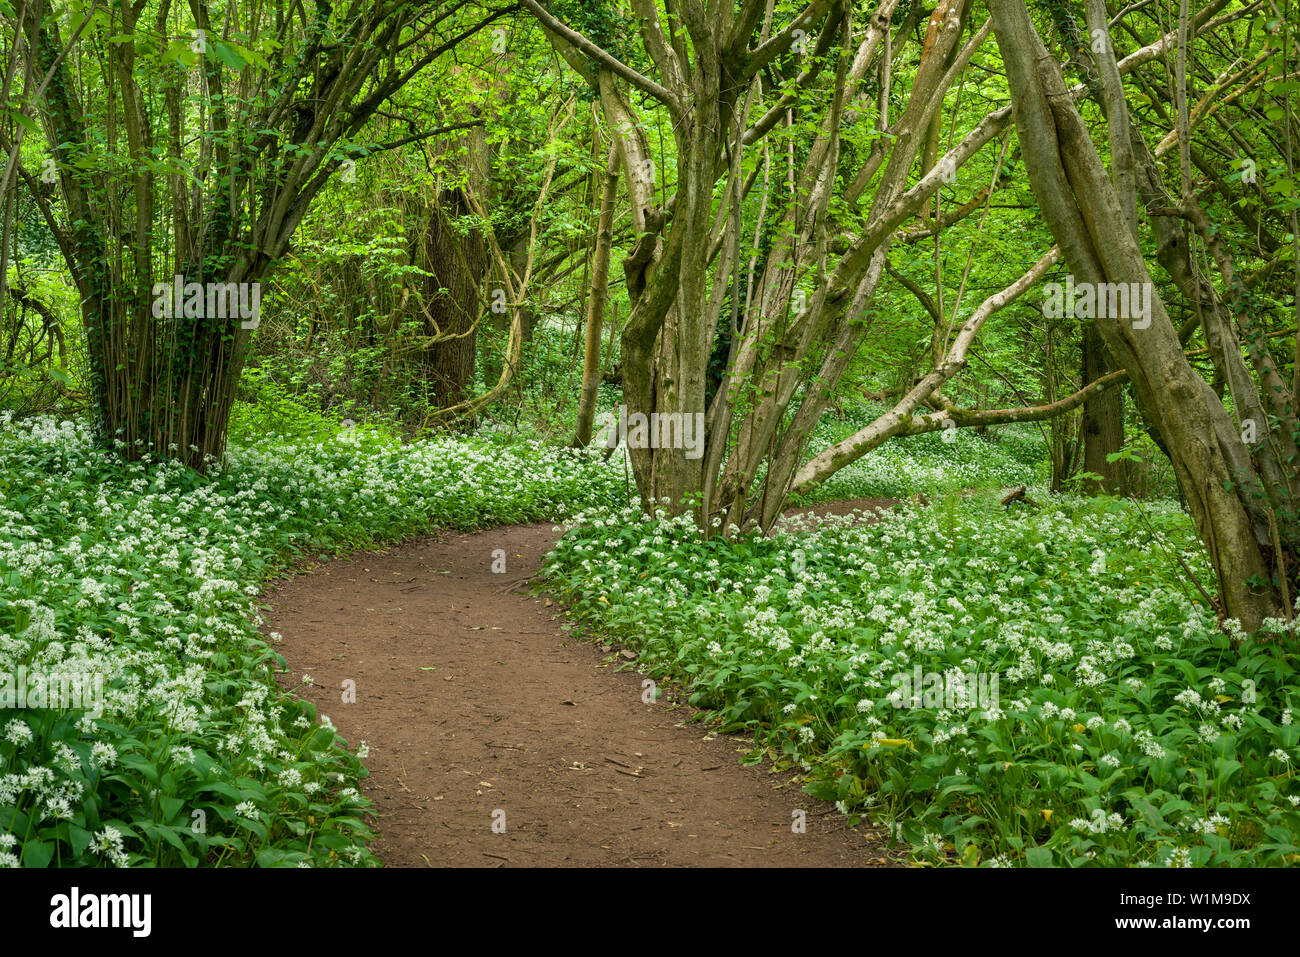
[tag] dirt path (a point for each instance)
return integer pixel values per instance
(474, 701)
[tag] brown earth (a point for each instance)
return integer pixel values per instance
(479, 708)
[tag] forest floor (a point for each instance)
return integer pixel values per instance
(479, 708)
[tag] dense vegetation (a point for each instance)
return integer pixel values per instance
(148, 575)
(279, 281)
(1126, 731)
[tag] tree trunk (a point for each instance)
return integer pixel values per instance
(1081, 208)
(596, 303)
(452, 300)
(1103, 420)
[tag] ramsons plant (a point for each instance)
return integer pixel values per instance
(956, 459)
(1128, 729)
(147, 575)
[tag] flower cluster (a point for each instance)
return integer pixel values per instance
(1123, 705)
(144, 578)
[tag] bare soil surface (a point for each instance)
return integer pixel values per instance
(479, 709)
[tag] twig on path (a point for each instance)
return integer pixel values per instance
(511, 584)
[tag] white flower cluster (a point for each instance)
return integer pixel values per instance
(1058, 602)
(145, 578)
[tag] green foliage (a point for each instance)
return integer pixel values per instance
(1124, 729)
(41, 358)
(146, 576)
(602, 22)
(1125, 736)
(953, 459)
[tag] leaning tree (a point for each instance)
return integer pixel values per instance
(1241, 479)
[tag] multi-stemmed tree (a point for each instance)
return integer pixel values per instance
(194, 150)
(799, 305)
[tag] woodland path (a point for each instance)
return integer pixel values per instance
(474, 700)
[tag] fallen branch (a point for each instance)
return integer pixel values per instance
(1017, 494)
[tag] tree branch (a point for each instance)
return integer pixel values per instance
(664, 96)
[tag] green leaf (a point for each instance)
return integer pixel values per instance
(228, 55)
(38, 853)
(1038, 857)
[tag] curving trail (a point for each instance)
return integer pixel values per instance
(473, 700)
